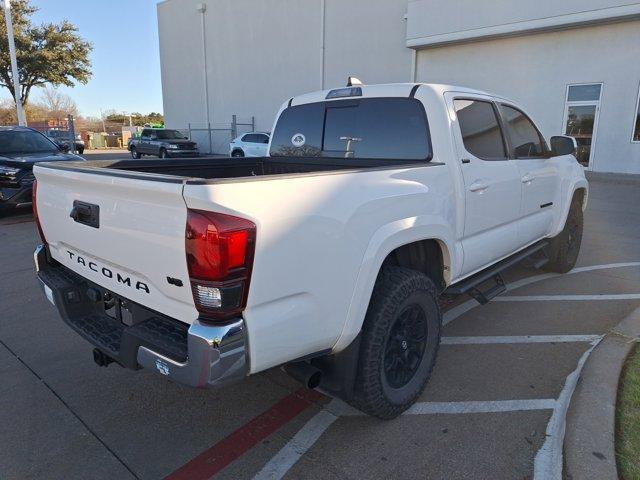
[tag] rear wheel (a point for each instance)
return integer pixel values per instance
(237, 153)
(564, 248)
(135, 153)
(400, 339)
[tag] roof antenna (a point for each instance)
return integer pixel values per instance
(351, 81)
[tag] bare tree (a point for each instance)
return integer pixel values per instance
(33, 111)
(56, 103)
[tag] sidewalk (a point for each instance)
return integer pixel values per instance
(590, 435)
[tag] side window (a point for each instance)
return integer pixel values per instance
(145, 133)
(525, 139)
(250, 138)
(263, 139)
(480, 129)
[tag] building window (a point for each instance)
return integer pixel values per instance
(636, 125)
(584, 93)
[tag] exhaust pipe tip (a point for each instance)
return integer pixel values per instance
(305, 373)
(101, 358)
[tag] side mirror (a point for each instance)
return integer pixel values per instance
(563, 145)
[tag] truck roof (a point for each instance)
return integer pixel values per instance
(388, 90)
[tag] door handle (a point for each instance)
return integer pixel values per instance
(478, 186)
(527, 178)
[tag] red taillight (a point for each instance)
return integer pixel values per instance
(219, 257)
(34, 206)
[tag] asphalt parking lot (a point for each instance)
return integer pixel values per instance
(492, 410)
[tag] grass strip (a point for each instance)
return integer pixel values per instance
(628, 419)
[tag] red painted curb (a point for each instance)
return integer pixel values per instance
(220, 455)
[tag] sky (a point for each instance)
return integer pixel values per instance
(125, 58)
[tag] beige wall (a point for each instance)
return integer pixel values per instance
(534, 70)
(433, 22)
(262, 52)
(259, 53)
(366, 38)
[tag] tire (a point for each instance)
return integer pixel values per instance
(404, 303)
(237, 153)
(134, 153)
(80, 151)
(563, 249)
(163, 153)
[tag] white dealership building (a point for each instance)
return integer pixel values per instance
(573, 64)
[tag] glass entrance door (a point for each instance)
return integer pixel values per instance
(581, 119)
(580, 125)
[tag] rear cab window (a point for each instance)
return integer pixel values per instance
(365, 128)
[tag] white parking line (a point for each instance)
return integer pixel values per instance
(548, 460)
(518, 339)
(301, 442)
(547, 298)
(463, 308)
(279, 465)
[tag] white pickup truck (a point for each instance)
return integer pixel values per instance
(332, 256)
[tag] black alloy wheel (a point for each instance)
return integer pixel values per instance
(405, 346)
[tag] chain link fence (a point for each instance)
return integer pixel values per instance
(214, 138)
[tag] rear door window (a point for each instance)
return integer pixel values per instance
(481, 133)
(368, 128)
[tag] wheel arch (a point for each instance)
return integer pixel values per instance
(578, 188)
(424, 247)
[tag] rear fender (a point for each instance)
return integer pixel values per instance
(384, 241)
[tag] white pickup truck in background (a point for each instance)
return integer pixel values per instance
(331, 256)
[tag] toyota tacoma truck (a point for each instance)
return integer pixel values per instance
(331, 257)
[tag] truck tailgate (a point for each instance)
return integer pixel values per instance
(137, 246)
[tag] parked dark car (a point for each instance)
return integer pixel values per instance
(20, 149)
(163, 143)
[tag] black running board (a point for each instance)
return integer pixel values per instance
(471, 285)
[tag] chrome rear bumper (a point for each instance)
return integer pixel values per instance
(199, 355)
(217, 356)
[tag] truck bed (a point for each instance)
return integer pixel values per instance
(220, 168)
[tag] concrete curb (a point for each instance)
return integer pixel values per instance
(590, 432)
